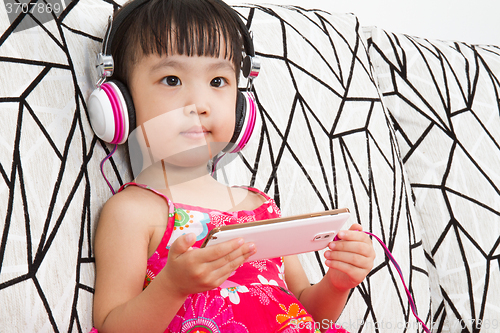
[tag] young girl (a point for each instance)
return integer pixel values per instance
(182, 59)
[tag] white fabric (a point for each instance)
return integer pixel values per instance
(323, 140)
(444, 100)
(308, 87)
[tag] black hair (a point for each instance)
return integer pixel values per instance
(185, 27)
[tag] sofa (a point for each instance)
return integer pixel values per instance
(403, 131)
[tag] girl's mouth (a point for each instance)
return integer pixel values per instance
(196, 132)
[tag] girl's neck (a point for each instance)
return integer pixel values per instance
(196, 187)
(162, 175)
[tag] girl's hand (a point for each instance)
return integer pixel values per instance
(194, 270)
(349, 259)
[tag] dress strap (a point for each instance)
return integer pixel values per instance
(146, 187)
(171, 207)
(255, 190)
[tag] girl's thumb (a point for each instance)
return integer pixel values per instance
(183, 243)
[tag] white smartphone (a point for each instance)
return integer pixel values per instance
(284, 236)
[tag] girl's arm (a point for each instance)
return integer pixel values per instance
(121, 251)
(349, 261)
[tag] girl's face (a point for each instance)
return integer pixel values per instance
(184, 102)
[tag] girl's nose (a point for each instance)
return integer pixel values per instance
(198, 103)
(196, 110)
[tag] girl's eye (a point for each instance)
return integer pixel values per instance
(218, 82)
(172, 81)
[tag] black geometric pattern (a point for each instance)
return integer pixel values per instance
(444, 101)
(50, 186)
(323, 141)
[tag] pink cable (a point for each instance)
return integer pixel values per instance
(102, 169)
(410, 299)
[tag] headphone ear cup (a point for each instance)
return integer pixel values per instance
(111, 112)
(129, 109)
(246, 113)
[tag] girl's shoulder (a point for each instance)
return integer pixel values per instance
(257, 203)
(132, 206)
(254, 197)
(247, 199)
(127, 217)
(135, 199)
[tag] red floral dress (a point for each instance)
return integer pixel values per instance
(254, 298)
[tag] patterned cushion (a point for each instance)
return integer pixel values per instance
(444, 101)
(323, 141)
(51, 189)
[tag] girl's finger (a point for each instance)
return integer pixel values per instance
(356, 227)
(350, 258)
(234, 258)
(355, 274)
(350, 235)
(222, 268)
(359, 247)
(227, 265)
(215, 252)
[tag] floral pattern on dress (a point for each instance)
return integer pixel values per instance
(204, 314)
(232, 293)
(281, 271)
(264, 281)
(261, 265)
(218, 219)
(246, 219)
(264, 293)
(189, 221)
(273, 208)
(155, 264)
(149, 277)
(295, 312)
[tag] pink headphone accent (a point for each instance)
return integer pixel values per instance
(117, 113)
(249, 124)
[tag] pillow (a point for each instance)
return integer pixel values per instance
(51, 189)
(443, 97)
(324, 141)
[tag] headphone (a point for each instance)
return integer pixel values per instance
(111, 108)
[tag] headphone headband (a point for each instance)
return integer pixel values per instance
(250, 67)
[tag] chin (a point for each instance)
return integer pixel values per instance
(196, 156)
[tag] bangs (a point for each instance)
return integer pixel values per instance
(184, 27)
